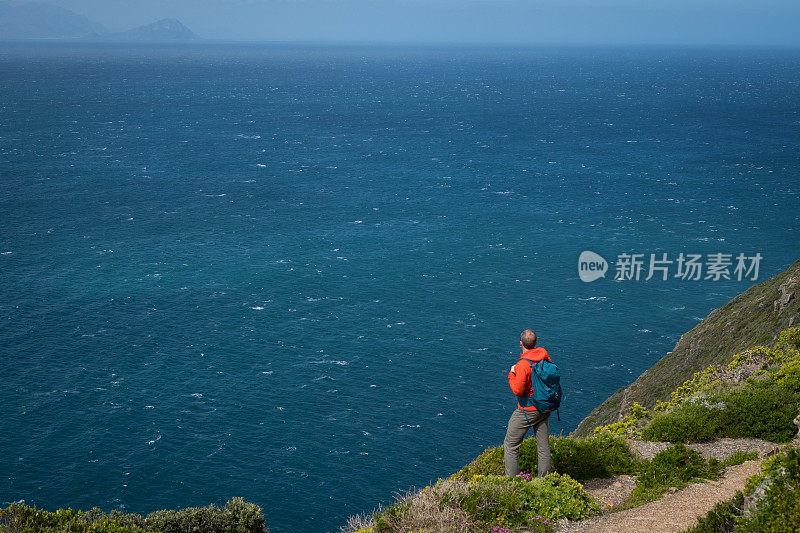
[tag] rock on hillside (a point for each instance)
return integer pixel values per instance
(755, 317)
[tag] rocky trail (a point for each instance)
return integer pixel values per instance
(678, 510)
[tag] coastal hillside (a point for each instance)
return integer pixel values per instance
(708, 442)
(163, 30)
(35, 20)
(755, 317)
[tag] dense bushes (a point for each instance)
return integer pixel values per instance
(237, 516)
(599, 456)
(779, 510)
(602, 455)
(517, 501)
(676, 467)
(759, 410)
(480, 498)
(755, 395)
(690, 422)
(488, 503)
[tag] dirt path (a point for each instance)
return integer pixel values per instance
(674, 512)
(677, 511)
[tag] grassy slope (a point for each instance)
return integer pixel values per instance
(755, 317)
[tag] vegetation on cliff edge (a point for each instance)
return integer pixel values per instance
(238, 516)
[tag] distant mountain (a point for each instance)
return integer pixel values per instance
(162, 30)
(34, 20)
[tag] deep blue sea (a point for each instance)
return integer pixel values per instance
(298, 273)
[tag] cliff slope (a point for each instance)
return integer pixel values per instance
(755, 317)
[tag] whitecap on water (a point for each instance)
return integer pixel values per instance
(330, 362)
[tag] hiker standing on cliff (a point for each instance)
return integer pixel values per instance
(531, 384)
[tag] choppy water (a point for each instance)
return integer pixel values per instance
(297, 274)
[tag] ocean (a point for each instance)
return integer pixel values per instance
(298, 273)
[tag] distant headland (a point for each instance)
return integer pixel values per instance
(40, 21)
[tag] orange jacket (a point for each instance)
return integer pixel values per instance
(520, 379)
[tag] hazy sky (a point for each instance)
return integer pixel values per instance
(529, 21)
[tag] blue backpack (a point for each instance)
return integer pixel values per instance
(546, 385)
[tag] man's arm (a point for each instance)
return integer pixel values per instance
(518, 379)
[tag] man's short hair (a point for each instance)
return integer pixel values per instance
(528, 339)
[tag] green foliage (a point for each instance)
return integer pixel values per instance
(601, 455)
(237, 516)
(689, 422)
(516, 502)
(487, 502)
(384, 519)
(674, 467)
(627, 426)
(789, 340)
(758, 410)
(779, 511)
(721, 518)
(768, 467)
(789, 376)
(24, 519)
(739, 457)
(488, 462)
(700, 381)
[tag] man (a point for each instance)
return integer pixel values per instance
(526, 416)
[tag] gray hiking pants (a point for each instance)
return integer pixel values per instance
(518, 425)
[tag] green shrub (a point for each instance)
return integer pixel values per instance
(484, 503)
(21, 518)
(689, 422)
(237, 516)
(601, 455)
(515, 502)
(758, 410)
(674, 467)
(789, 339)
(739, 457)
(488, 462)
(721, 518)
(629, 424)
(384, 519)
(779, 511)
(789, 376)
